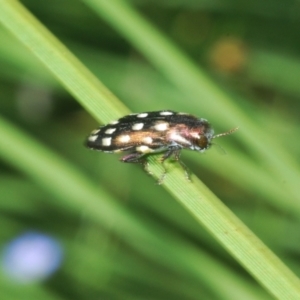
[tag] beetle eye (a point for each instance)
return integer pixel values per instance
(203, 142)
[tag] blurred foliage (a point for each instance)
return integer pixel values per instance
(251, 50)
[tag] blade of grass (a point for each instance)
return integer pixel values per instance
(206, 208)
(232, 234)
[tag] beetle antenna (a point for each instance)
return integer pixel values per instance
(226, 133)
(220, 148)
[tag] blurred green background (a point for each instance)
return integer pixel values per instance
(251, 51)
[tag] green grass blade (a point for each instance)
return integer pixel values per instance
(233, 234)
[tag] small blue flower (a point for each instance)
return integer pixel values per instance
(31, 257)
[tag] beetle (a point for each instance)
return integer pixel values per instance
(154, 132)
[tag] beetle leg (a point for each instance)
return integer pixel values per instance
(184, 167)
(136, 157)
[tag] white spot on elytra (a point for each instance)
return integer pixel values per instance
(147, 140)
(142, 115)
(137, 126)
(92, 138)
(143, 149)
(166, 113)
(94, 132)
(106, 141)
(114, 122)
(161, 126)
(174, 136)
(124, 138)
(110, 130)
